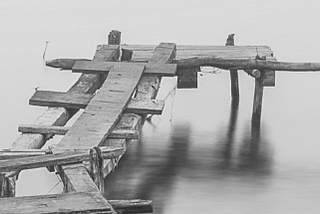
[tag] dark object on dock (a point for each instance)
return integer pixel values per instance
(188, 78)
(114, 37)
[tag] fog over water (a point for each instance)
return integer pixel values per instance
(203, 154)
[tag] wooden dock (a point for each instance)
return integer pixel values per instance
(117, 90)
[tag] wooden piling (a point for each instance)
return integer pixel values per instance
(233, 75)
(257, 100)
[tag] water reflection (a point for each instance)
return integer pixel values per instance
(252, 155)
(149, 171)
(156, 167)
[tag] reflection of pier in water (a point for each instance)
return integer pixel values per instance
(151, 170)
(254, 155)
(151, 173)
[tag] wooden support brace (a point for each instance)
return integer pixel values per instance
(60, 157)
(257, 100)
(62, 130)
(92, 67)
(76, 101)
(95, 168)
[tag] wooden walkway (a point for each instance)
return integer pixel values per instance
(112, 118)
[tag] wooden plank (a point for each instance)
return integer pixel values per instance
(75, 177)
(104, 67)
(8, 154)
(76, 101)
(149, 83)
(132, 206)
(62, 130)
(104, 110)
(87, 83)
(54, 159)
(72, 203)
(142, 53)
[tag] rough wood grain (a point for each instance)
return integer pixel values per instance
(62, 130)
(54, 159)
(105, 109)
(132, 206)
(142, 53)
(76, 101)
(104, 67)
(244, 64)
(8, 154)
(257, 99)
(72, 203)
(87, 83)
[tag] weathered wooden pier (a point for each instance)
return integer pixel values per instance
(117, 90)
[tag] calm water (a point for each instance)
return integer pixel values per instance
(202, 155)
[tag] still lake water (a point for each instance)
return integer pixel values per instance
(202, 155)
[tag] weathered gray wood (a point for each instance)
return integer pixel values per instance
(234, 82)
(142, 53)
(147, 89)
(54, 159)
(244, 64)
(87, 83)
(62, 130)
(76, 101)
(104, 67)
(75, 177)
(132, 206)
(72, 203)
(269, 78)
(105, 109)
(63, 63)
(8, 154)
(257, 100)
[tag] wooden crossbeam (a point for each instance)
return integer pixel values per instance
(67, 100)
(71, 203)
(62, 130)
(55, 159)
(104, 67)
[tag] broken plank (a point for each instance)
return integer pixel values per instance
(132, 206)
(105, 109)
(72, 203)
(62, 130)
(105, 67)
(55, 159)
(67, 100)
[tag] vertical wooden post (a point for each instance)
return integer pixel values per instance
(95, 168)
(233, 74)
(114, 37)
(257, 100)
